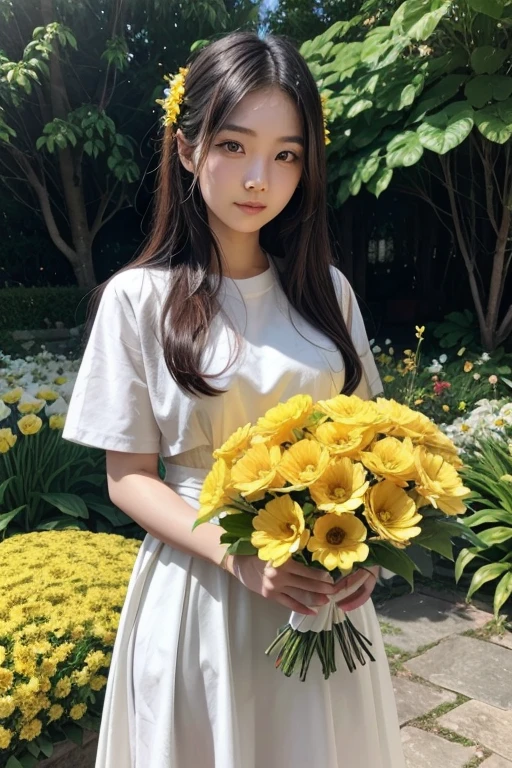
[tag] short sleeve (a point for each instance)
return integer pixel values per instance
(371, 384)
(110, 405)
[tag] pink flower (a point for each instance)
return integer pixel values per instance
(440, 386)
(493, 379)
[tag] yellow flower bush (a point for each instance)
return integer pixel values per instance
(338, 541)
(61, 597)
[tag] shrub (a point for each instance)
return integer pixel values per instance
(29, 308)
(61, 597)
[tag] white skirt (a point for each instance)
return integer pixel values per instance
(190, 684)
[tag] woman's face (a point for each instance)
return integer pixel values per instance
(256, 157)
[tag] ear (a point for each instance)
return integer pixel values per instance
(185, 151)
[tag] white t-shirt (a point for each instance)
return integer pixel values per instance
(124, 398)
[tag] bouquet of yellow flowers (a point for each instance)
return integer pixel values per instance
(338, 484)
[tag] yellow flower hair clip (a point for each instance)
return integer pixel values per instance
(326, 112)
(173, 96)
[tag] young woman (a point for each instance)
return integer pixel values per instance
(233, 306)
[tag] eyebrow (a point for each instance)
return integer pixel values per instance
(250, 132)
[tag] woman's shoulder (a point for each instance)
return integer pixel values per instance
(135, 287)
(344, 291)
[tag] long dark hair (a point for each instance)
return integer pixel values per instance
(181, 240)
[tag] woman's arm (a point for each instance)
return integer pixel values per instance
(135, 487)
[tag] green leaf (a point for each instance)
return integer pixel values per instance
(486, 59)
(412, 20)
(488, 516)
(33, 748)
(238, 524)
(395, 560)
(13, 762)
(484, 88)
(68, 503)
(464, 558)
(486, 573)
(404, 150)
(3, 487)
(6, 518)
(28, 761)
(492, 8)
(447, 129)
(73, 732)
(109, 511)
(358, 107)
(496, 535)
(46, 745)
(503, 591)
(380, 181)
(495, 121)
(242, 547)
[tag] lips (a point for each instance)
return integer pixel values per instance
(257, 206)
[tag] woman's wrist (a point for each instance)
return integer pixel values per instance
(226, 562)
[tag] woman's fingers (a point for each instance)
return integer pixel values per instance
(312, 599)
(295, 605)
(298, 569)
(358, 598)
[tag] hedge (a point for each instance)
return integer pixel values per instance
(28, 308)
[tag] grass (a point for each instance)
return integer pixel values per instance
(389, 629)
(493, 628)
(397, 657)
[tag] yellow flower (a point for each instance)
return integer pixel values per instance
(60, 380)
(303, 464)
(420, 330)
(28, 404)
(446, 408)
(174, 97)
(439, 482)
(257, 471)
(391, 513)
(2, 654)
(46, 393)
(63, 688)
(388, 379)
(78, 711)
(278, 423)
(12, 396)
(341, 487)
(461, 351)
(30, 424)
(468, 366)
(462, 405)
(5, 737)
(338, 541)
(57, 421)
(437, 442)
(279, 530)
(325, 113)
(31, 730)
(235, 445)
(343, 440)
(213, 493)
(7, 439)
(98, 682)
(7, 706)
(419, 401)
(6, 678)
(392, 459)
(400, 420)
(351, 410)
(55, 712)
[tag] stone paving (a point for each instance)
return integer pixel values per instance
(452, 679)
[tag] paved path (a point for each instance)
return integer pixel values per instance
(453, 681)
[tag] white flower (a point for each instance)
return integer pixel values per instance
(5, 411)
(476, 376)
(391, 351)
(58, 407)
(436, 367)
(485, 357)
(372, 342)
(443, 358)
(376, 350)
(29, 404)
(387, 342)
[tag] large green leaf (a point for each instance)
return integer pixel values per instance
(395, 560)
(415, 19)
(503, 591)
(6, 518)
(68, 503)
(486, 60)
(492, 8)
(495, 121)
(486, 573)
(484, 88)
(496, 535)
(359, 106)
(447, 129)
(380, 181)
(376, 44)
(488, 516)
(3, 487)
(464, 558)
(440, 93)
(114, 515)
(404, 150)
(242, 547)
(238, 524)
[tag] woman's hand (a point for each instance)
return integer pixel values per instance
(292, 584)
(357, 587)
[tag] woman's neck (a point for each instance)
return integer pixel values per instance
(241, 252)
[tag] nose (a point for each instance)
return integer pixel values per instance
(256, 180)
